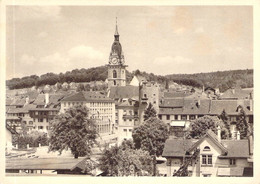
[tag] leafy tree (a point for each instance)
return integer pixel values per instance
(34, 138)
(151, 136)
(80, 87)
(242, 125)
(224, 117)
(74, 130)
(199, 127)
(124, 160)
(149, 112)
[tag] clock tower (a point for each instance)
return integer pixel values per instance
(116, 66)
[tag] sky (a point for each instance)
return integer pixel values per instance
(156, 39)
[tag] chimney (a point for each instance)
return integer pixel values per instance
(46, 99)
(26, 100)
(233, 90)
(219, 133)
(238, 135)
(198, 103)
(251, 105)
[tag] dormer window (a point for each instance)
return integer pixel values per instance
(206, 148)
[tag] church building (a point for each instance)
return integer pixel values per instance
(116, 66)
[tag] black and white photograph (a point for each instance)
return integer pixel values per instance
(129, 91)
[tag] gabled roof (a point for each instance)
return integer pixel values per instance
(213, 137)
(117, 92)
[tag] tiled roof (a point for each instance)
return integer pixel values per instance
(177, 147)
(42, 163)
(207, 106)
(170, 111)
(196, 107)
(236, 148)
(75, 97)
(176, 102)
(124, 92)
(232, 148)
(230, 107)
(175, 94)
(87, 96)
(238, 94)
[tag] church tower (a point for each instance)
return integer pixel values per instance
(116, 66)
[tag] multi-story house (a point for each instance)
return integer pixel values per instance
(101, 108)
(187, 109)
(36, 114)
(209, 156)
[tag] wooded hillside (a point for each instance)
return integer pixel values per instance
(221, 79)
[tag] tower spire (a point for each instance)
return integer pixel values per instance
(116, 32)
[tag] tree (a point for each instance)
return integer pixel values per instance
(149, 112)
(124, 160)
(224, 117)
(242, 125)
(151, 136)
(74, 130)
(199, 127)
(80, 87)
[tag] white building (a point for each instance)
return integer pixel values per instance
(101, 108)
(215, 157)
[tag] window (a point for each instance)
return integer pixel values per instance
(176, 117)
(130, 130)
(160, 116)
(206, 159)
(192, 117)
(168, 117)
(183, 117)
(114, 74)
(30, 123)
(40, 127)
(40, 119)
(145, 96)
(232, 161)
(209, 159)
(114, 83)
(206, 148)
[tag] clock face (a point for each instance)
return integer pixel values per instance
(114, 60)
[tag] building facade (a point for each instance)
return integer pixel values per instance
(101, 108)
(213, 157)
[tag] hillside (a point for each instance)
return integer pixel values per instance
(221, 79)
